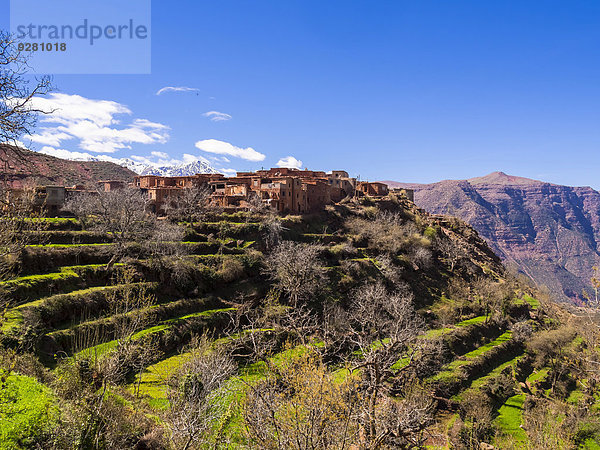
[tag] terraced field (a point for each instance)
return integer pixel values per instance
(71, 304)
(72, 307)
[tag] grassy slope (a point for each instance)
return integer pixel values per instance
(238, 236)
(27, 409)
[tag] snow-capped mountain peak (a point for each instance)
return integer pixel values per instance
(144, 166)
(179, 170)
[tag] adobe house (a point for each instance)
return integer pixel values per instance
(287, 190)
(162, 189)
(200, 179)
(283, 193)
(318, 194)
(374, 188)
(112, 185)
(228, 194)
(50, 198)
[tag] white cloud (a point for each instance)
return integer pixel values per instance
(50, 137)
(228, 172)
(162, 155)
(175, 89)
(187, 158)
(289, 161)
(93, 123)
(77, 156)
(66, 154)
(217, 116)
(225, 148)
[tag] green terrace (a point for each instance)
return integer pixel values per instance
(510, 419)
(61, 308)
(69, 278)
(101, 349)
(438, 332)
(451, 370)
(152, 382)
(480, 382)
(68, 337)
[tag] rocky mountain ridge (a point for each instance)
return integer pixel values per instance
(179, 170)
(549, 232)
(25, 168)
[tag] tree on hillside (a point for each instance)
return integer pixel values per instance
(299, 404)
(81, 206)
(190, 205)
(123, 215)
(18, 225)
(383, 327)
(494, 297)
(450, 250)
(130, 307)
(296, 270)
(197, 397)
(17, 111)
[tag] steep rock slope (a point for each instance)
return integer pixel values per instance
(550, 232)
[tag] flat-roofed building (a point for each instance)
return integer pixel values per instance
(373, 188)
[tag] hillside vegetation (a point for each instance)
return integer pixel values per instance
(369, 325)
(26, 168)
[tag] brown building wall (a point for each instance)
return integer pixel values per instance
(373, 188)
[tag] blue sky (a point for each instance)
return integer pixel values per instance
(411, 91)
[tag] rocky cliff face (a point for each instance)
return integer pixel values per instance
(549, 232)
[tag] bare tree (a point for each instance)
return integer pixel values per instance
(190, 205)
(401, 421)
(296, 270)
(388, 269)
(197, 395)
(384, 328)
(272, 230)
(165, 240)
(492, 296)
(256, 205)
(18, 225)
(123, 215)
(450, 250)
(17, 111)
(299, 405)
(420, 257)
(81, 205)
(130, 315)
(551, 349)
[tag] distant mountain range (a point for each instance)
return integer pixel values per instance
(34, 168)
(173, 170)
(25, 168)
(549, 232)
(177, 170)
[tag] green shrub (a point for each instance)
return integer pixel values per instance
(231, 269)
(430, 233)
(28, 412)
